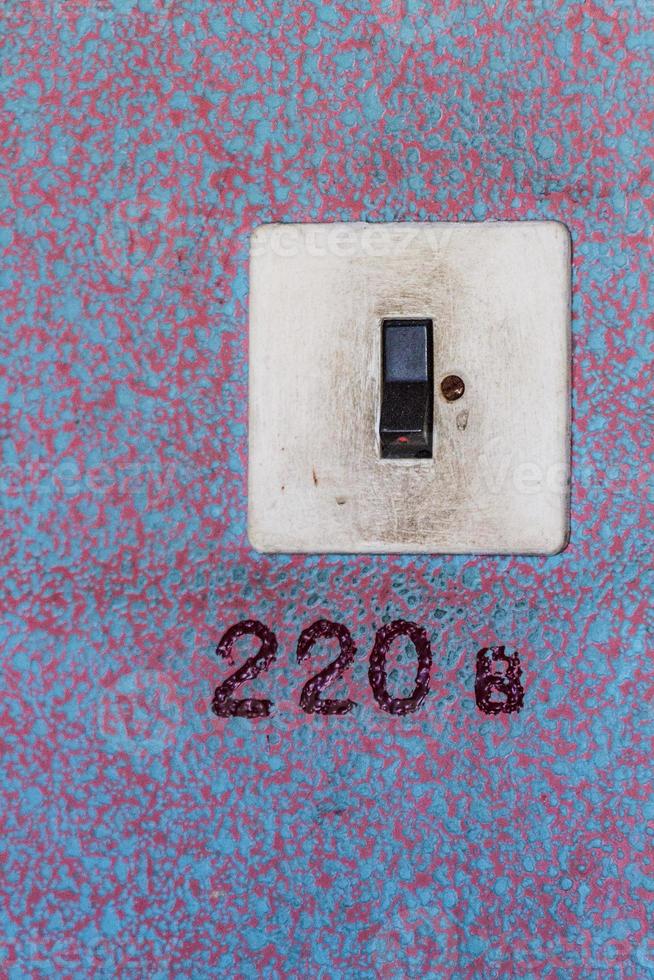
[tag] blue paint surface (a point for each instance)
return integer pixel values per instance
(142, 835)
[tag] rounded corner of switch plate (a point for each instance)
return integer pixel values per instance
(559, 542)
(256, 540)
(259, 235)
(562, 227)
(564, 238)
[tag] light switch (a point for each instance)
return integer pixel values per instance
(407, 396)
(410, 387)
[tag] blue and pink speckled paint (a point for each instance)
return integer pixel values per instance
(141, 835)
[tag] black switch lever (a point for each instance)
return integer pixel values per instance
(407, 400)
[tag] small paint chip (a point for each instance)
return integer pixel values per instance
(462, 419)
(341, 500)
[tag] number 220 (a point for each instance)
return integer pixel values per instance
(497, 683)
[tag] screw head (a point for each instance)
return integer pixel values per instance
(452, 387)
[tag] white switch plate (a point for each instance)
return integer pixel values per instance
(499, 297)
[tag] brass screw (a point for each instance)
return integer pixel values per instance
(452, 387)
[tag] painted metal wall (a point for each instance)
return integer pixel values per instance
(143, 835)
